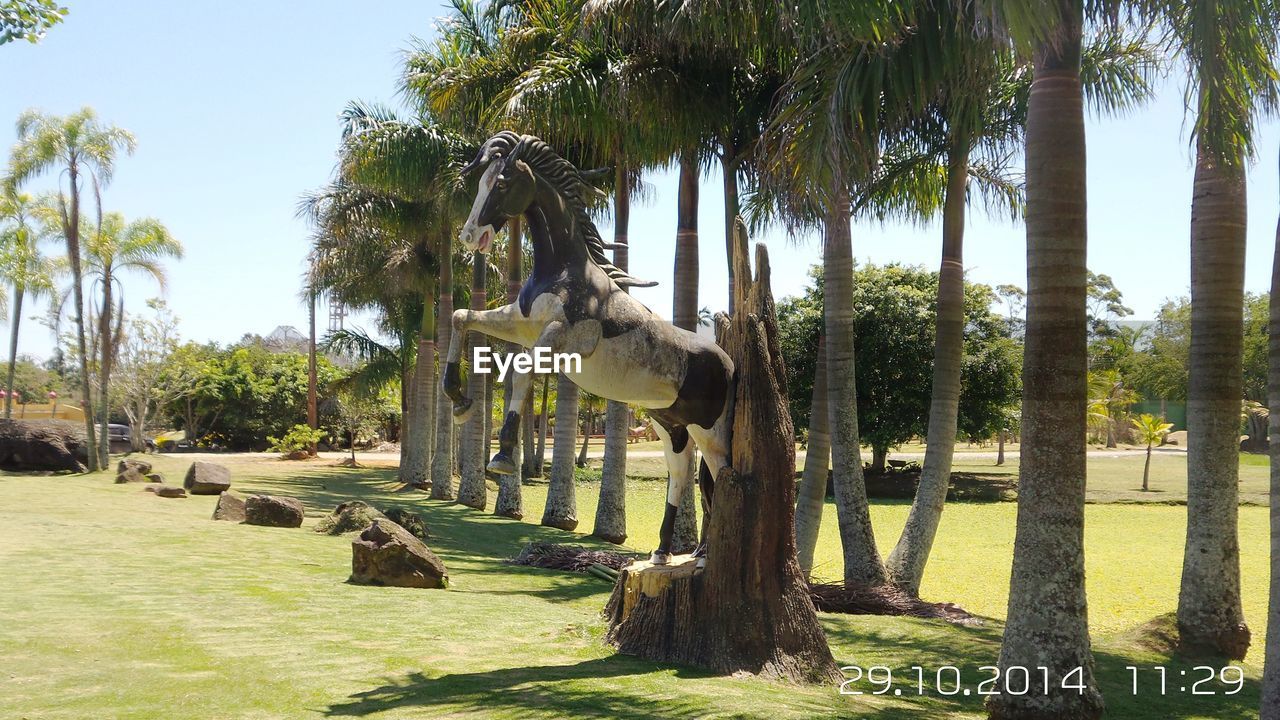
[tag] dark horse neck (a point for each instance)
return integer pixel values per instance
(558, 255)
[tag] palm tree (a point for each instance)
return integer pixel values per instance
(114, 247)
(21, 266)
(562, 509)
(1047, 622)
(1230, 49)
(77, 147)
(1271, 663)
(1150, 431)
(812, 494)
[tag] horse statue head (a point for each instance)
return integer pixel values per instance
(511, 167)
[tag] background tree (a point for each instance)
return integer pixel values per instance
(1150, 432)
(145, 351)
(28, 19)
(114, 247)
(27, 273)
(78, 147)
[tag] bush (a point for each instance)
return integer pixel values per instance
(299, 439)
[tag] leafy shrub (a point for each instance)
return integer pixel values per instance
(299, 438)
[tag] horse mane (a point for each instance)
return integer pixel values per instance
(568, 181)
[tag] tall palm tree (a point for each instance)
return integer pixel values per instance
(22, 267)
(812, 493)
(114, 247)
(561, 510)
(1271, 660)
(414, 161)
(1230, 49)
(1047, 622)
(77, 147)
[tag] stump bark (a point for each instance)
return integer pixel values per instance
(749, 609)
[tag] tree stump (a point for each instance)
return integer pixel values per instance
(749, 610)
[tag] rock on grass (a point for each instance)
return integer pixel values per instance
(410, 521)
(230, 507)
(387, 554)
(273, 511)
(204, 478)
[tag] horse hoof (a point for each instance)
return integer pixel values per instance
(701, 563)
(700, 552)
(660, 558)
(462, 411)
(501, 465)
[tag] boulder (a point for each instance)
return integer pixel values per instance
(42, 446)
(387, 554)
(230, 507)
(273, 511)
(132, 475)
(141, 466)
(410, 521)
(155, 477)
(1177, 437)
(166, 491)
(205, 478)
(351, 516)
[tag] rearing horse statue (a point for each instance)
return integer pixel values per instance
(573, 302)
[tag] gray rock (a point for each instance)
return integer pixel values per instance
(387, 554)
(205, 478)
(166, 491)
(155, 478)
(141, 466)
(131, 475)
(34, 446)
(230, 507)
(273, 511)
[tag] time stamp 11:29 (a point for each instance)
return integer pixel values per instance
(949, 680)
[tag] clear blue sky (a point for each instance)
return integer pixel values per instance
(235, 108)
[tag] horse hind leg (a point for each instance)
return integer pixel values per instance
(715, 457)
(503, 461)
(678, 450)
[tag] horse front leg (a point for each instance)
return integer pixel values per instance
(504, 323)
(678, 450)
(503, 461)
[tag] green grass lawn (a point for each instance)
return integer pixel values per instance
(120, 604)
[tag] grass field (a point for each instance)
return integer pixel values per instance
(120, 604)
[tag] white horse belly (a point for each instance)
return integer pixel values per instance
(613, 373)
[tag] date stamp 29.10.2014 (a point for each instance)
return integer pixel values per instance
(949, 680)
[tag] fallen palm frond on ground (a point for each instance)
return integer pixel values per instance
(883, 600)
(603, 564)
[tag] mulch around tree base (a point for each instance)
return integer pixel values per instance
(884, 600)
(573, 558)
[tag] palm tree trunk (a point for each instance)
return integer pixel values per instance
(415, 450)
(907, 561)
(1146, 470)
(729, 171)
(313, 417)
(1000, 447)
(684, 536)
(77, 287)
(1210, 618)
(1271, 661)
(586, 441)
(562, 507)
(611, 507)
(442, 462)
(1047, 622)
(862, 564)
(510, 503)
(472, 491)
(13, 350)
(812, 495)
(104, 370)
(543, 422)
